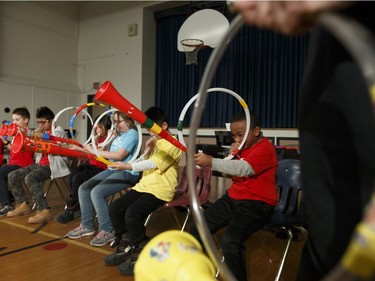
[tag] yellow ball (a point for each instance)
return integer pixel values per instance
(173, 256)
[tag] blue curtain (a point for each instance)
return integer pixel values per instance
(263, 67)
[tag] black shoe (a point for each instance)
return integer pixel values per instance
(67, 216)
(127, 267)
(115, 242)
(124, 248)
(71, 212)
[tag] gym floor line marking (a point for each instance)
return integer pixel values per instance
(29, 247)
(40, 227)
(69, 241)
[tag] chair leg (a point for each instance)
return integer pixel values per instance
(49, 188)
(186, 219)
(303, 230)
(147, 220)
(282, 261)
(111, 198)
(61, 193)
(222, 259)
(218, 270)
(66, 185)
(265, 247)
(55, 181)
(175, 217)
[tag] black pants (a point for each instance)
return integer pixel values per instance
(79, 175)
(129, 212)
(5, 195)
(242, 218)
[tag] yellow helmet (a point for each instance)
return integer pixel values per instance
(173, 256)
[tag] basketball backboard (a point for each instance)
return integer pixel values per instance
(207, 25)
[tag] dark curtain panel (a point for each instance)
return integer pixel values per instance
(263, 67)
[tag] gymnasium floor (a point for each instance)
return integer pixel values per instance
(37, 252)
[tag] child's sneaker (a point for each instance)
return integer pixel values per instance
(41, 216)
(5, 209)
(124, 249)
(102, 238)
(71, 212)
(20, 210)
(79, 232)
(127, 267)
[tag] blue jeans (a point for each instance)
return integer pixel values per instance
(92, 196)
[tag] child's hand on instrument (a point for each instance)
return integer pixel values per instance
(234, 146)
(120, 166)
(203, 160)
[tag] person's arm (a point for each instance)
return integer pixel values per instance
(135, 167)
(121, 151)
(78, 148)
(113, 155)
(238, 168)
(288, 17)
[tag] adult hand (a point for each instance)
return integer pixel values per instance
(288, 17)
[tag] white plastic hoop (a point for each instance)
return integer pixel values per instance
(238, 97)
(62, 111)
(139, 129)
(94, 147)
(110, 131)
(78, 110)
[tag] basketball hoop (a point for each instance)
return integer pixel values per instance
(191, 49)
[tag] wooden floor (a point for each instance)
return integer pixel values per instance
(27, 253)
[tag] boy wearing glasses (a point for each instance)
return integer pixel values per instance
(47, 166)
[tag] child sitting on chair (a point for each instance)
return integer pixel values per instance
(157, 186)
(92, 193)
(250, 201)
(17, 160)
(47, 166)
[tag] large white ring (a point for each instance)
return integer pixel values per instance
(62, 111)
(78, 110)
(238, 97)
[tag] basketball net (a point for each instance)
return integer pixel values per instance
(191, 49)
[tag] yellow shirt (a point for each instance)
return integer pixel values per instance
(161, 181)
